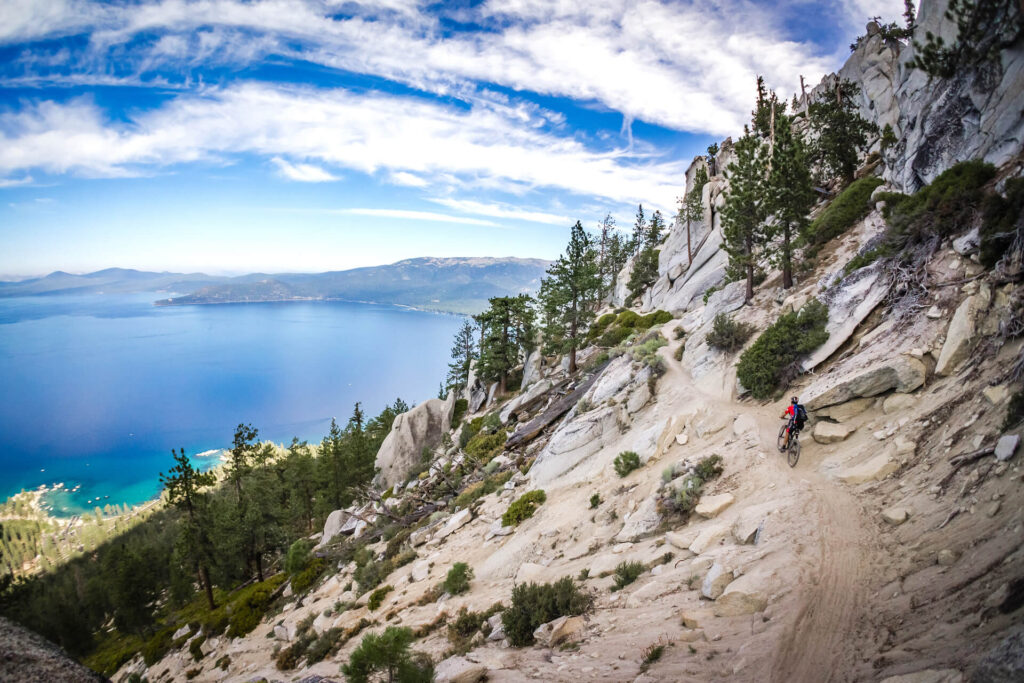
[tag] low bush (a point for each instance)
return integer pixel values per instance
(483, 447)
(772, 361)
(377, 597)
(223, 663)
(627, 319)
(461, 406)
(626, 573)
(458, 578)
(614, 337)
(308, 576)
(681, 501)
(535, 604)
(709, 468)
(469, 430)
(298, 557)
(388, 654)
(625, 462)
(680, 350)
(248, 609)
(329, 642)
(711, 290)
(652, 653)
(852, 204)
(371, 574)
(467, 625)
(195, 647)
(157, 646)
(1002, 222)
(727, 334)
(479, 489)
(595, 500)
(523, 508)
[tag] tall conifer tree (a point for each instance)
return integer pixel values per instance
(569, 295)
(743, 216)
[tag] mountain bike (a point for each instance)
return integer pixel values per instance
(793, 449)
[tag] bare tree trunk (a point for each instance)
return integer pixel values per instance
(259, 567)
(204, 576)
(750, 270)
(787, 260)
(689, 253)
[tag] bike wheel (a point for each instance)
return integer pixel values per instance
(794, 450)
(781, 443)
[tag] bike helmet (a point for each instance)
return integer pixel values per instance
(794, 400)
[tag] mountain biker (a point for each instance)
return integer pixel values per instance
(797, 415)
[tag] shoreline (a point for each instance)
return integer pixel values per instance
(167, 303)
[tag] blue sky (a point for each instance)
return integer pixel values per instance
(308, 135)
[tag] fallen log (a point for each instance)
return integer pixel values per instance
(532, 429)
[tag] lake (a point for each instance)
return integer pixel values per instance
(96, 390)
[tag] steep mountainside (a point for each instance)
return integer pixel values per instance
(889, 551)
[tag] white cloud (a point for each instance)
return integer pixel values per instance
(503, 211)
(365, 132)
(305, 173)
(15, 182)
(417, 216)
(407, 179)
(686, 65)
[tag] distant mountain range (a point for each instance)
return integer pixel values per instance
(456, 285)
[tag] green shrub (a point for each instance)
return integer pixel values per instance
(1002, 222)
(1014, 411)
(308, 576)
(467, 625)
(158, 645)
(652, 653)
(535, 604)
(680, 350)
(461, 406)
(491, 422)
(458, 578)
(595, 500)
(648, 321)
(523, 508)
(627, 319)
(598, 327)
(371, 574)
(377, 597)
(850, 206)
(388, 653)
(469, 430)
(223, 663)
(483, 447)
(646, 351)
(192, 673)
(727, 334)
(248, 609)
(329, 642)
(626, 573)
(614, 336)
(479, 489)
(625, 462)
(771, 362)
(298, 557)
(195, 647)
(709, 468)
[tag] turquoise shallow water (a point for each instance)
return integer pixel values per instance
(96, 390)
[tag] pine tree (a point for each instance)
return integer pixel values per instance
(645, 263)
(639, 230)
(692, 209)
(606, 229)
(841, 131)
(183, 485)
(712, 158)
(743, 216)
(569, 295)
(790, 193)
(463, 354)
(507, 330)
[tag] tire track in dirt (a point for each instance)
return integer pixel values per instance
(820, 644)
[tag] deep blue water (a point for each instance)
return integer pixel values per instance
(97, 390)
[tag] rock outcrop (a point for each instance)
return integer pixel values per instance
(422, 427)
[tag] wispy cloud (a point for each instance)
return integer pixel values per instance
(305, 173)
(502, 211)
(15, 182)
(417, 216)
(364, 132)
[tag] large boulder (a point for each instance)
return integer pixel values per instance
(745, 595)
(422, 427)
(725, 300)
(960, 336)
(831, 432)
(458, 669)
(572, 444)
(848, 305)
(902, 373)
(645, 520)
(878, 467)
(532, 368)
(558, 631)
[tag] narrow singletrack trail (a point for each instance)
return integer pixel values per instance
(820, 643)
